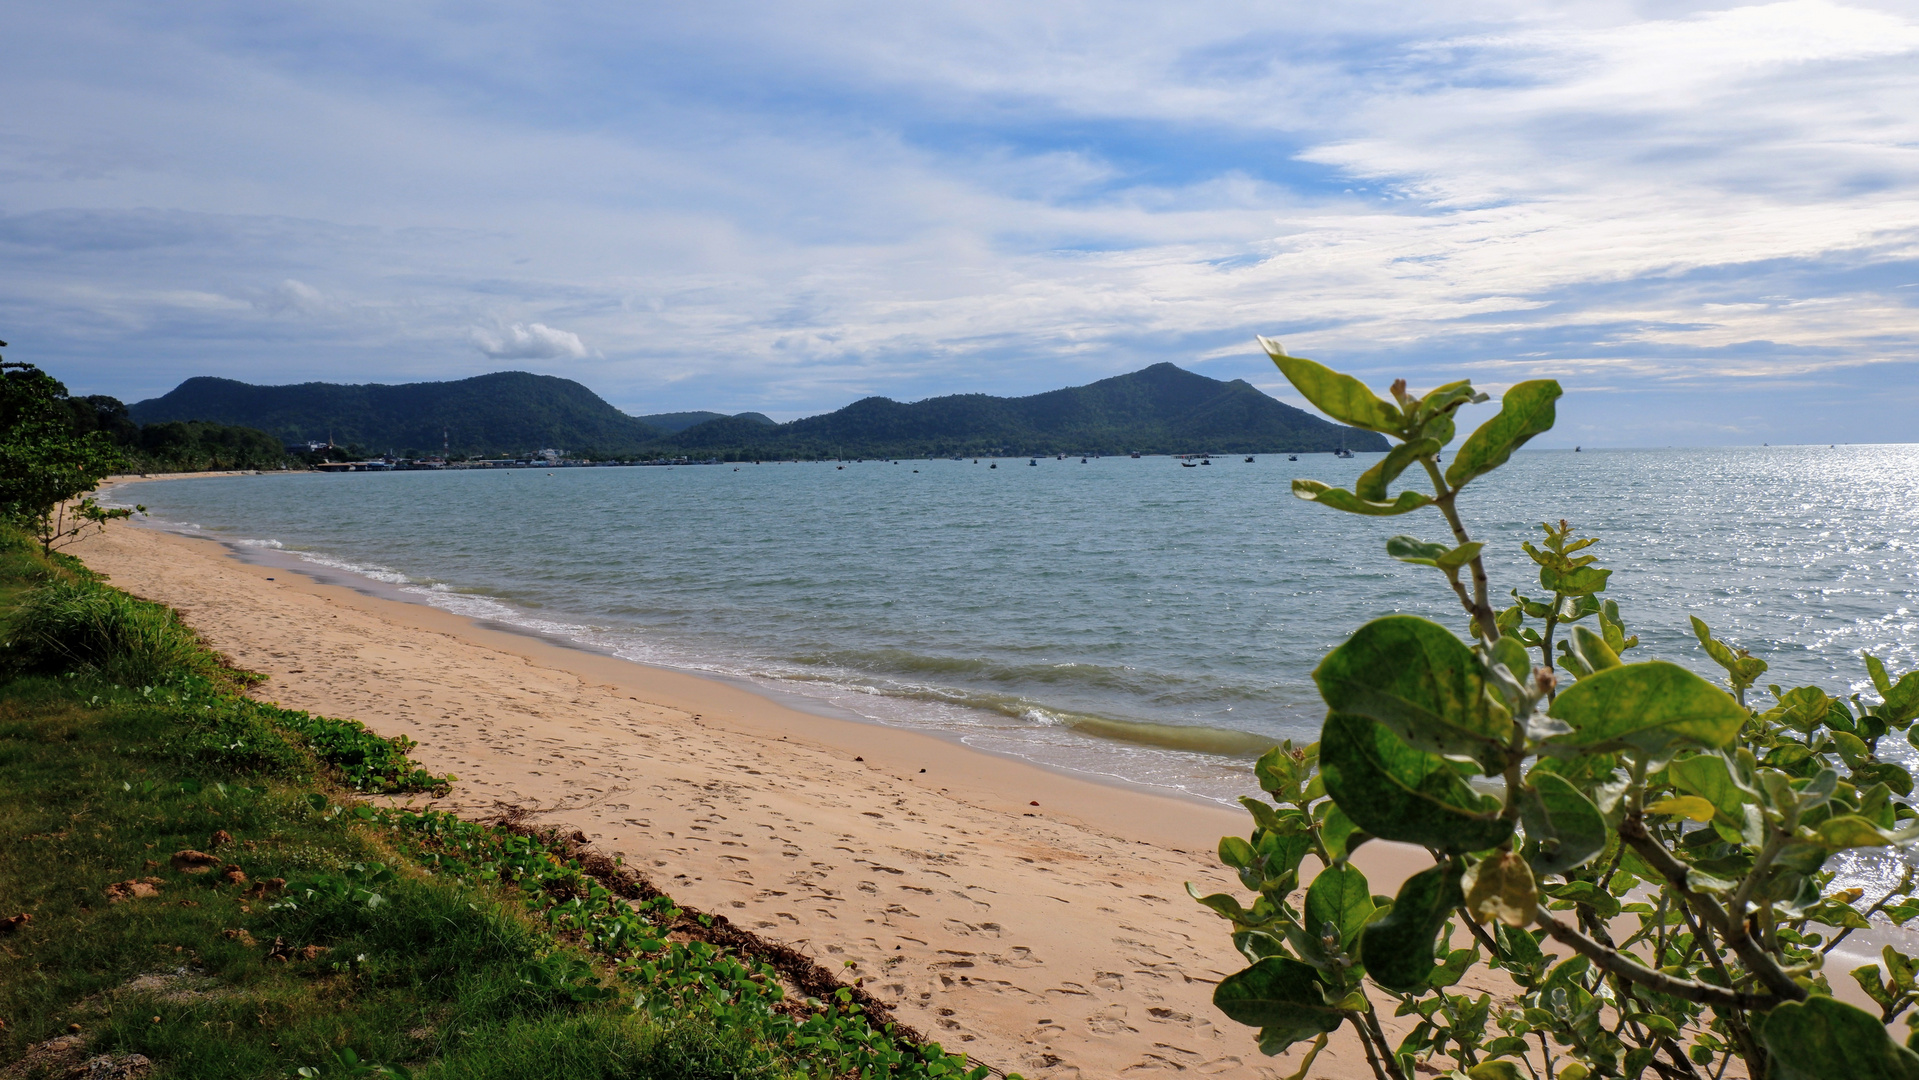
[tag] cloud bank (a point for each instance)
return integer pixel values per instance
(528, 341)
(1704, 220)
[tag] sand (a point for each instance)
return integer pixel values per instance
(1054, 940)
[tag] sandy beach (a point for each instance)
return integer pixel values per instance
(1034, 919)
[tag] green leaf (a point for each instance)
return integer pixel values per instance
(1339, 396)
(1410, 549)
(1510, 653)
(1340, 896)
(1709, 777)
(1282, 996)
(1341, 499)
(1592, 648)
(1649, 706)
(1453, 968)
(1852, 749)
(1743, 668)
(1686, 806)
(1803, 709)
(1524, 411)
(1338, 832)
(1433, 416)
(1850, 831)
(1398, 949)
(1902, 701)
(1226, 905)
(1824, 1039)
(1371, 484)
(1422, 682)
(1878, 672)
(1398, 793)
(1257, 945)
(1235, 852)
(1583, 581)
(1283, 851)
(1495, 1070)
(1276, 771)
(1563, 826)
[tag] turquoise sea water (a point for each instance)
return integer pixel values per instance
(1130, 618)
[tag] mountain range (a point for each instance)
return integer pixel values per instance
(1159, 409)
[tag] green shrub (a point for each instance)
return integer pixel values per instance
(1613, 790)
(90, 627)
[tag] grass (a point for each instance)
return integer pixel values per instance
(405, 967)
(326, 936)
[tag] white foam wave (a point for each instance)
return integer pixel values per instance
(384, 574)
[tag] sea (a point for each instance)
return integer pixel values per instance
(1131, 619)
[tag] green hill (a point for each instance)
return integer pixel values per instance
(675, 422)
(1157, 410)
(1160, 409)
(504, 413)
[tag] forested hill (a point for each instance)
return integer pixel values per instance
(1160, 409)
(508, 412)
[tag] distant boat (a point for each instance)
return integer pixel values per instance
(1342, 452)
(1082, 461)
(994, 465)
(1135, 453)
(1292, 457)
(1575, 449)
(1249, 459)
(1205, 461)
(1032, 461)
(1189, 464)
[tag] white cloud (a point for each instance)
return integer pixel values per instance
(782, 208)
(291, 296)
(528, 341)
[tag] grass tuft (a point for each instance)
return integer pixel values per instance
(82, 625)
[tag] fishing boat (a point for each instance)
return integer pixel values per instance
(1189, 464)
(1249, 459)
(1342, 452)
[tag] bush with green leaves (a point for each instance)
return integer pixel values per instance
(1665, 838)
(47, 468)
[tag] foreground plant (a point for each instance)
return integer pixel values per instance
(1665, 837)
(47, 469)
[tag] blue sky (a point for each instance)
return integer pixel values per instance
(1703, 220)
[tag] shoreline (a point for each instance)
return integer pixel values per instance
(333, 574)
(1051, 940)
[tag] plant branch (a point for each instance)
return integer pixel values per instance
(1481, 611)
(1385, 1048)
(1905, 883)
(1620, 964)
(1633, 831)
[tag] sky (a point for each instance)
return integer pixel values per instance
(1702, 219)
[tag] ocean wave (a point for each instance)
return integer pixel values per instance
(1166, 687)
(386, 575)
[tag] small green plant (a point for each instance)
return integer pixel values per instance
(83, 625)
(1560, 790)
